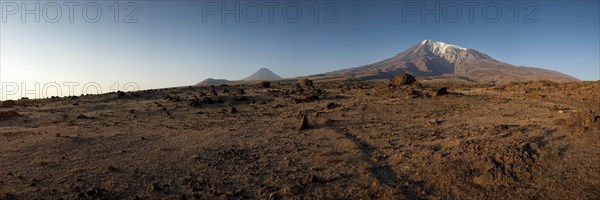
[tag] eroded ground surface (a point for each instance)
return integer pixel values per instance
(537, 140)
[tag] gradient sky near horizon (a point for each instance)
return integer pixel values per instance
(178, 43)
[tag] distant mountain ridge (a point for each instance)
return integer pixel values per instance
(211, 81)
(262, 74)
(433, 59)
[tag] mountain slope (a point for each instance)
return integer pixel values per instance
(211, 81)
(431, 59)
(262, 74)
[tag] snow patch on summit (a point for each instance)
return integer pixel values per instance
(441, 48)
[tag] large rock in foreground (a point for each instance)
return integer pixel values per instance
(404, 79)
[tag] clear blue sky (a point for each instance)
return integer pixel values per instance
(176, 43)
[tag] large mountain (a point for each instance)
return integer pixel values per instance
(262, 74)
(434, 59)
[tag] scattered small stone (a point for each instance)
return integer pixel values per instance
(436, 121)
(311, 179)
(413, 94)
(155, 188)
(120, 94)
(324, 121)
(442, 91)
(91, 193)
(113, 168)
(82, 116)
(195, 103)
(305, 83)
(208, 100)
(533, 148)
(7, 104)
(298, 90)
(198, 103)
(296, 100)
(9, 115)
(274, 195)
(173, 98)
(265, 84)
(418, 85)
(9, 196)
(302, 124)
(231, 110)
(95, 193)
(240, 98)
(239, 91)
(331, 105)
(311, 98)
(320, 92)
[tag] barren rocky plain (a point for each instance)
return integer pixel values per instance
(289, 140)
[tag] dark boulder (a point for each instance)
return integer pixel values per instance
(404, 79)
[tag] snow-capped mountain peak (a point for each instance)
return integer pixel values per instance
(441, 48)
(438, 59)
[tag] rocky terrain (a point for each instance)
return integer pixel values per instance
(391, 139)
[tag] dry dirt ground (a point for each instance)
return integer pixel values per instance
(361, 140)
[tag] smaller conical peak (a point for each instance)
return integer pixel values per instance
(263, 74)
